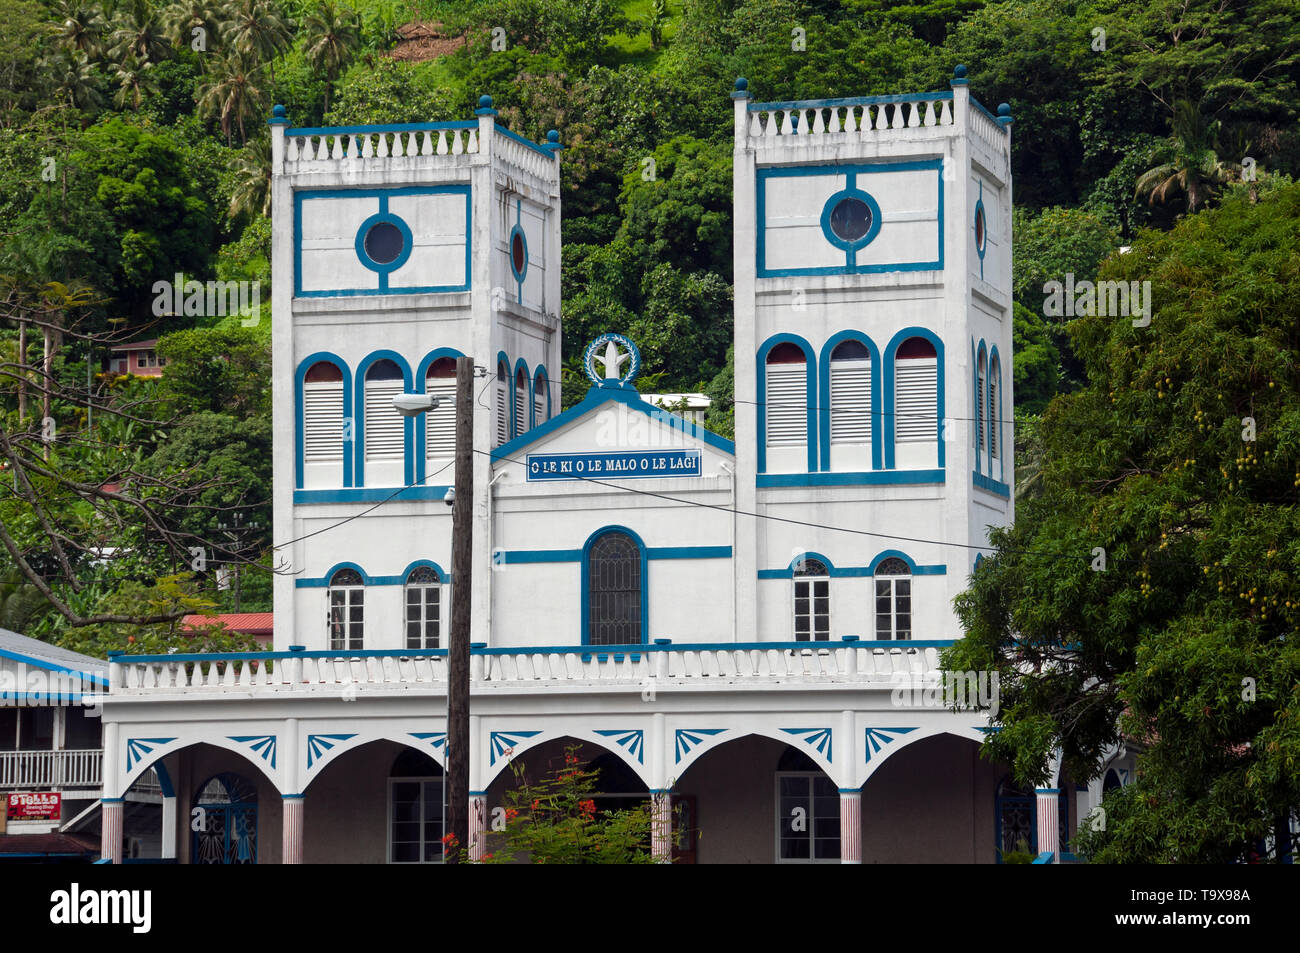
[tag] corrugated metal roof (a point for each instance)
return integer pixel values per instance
(252, 623)
(36, 650)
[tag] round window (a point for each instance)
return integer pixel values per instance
(384, 243)
(518, 254)
(979, 228)
(850, 219)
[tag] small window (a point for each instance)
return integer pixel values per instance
(995, 379)
(539, 398)
(979, 229)
(384, 242)
(423, 608)
(893, 600)
(518, 254)
(981, 417)
(503, 403)
(812, 601)
(850, 219)
(347, 613)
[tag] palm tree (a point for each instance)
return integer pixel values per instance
(80, 28)
(231, 91)
(134, 82)
(333, 35)
(182, 18)
(1195, 170)
(74, 79)
(251, 192)
(136, 30)
(259, 28)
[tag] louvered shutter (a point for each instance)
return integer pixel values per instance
(502, 434)
(539, 402)
(440, 423)
(850, 401)
(787, 405)
(979, 409)
(521, 408)
(916, 399)
(323, 420)
(993, 417)
(384, 437)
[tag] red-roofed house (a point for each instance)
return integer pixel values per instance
(256, 624)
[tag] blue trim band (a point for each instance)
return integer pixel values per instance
(53, 667)
(993, 486)
(370, 494)
(652, 552)
(522, 141)
(879, 477)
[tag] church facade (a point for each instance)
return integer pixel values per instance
(745, 633)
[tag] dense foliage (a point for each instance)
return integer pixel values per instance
(136, 149)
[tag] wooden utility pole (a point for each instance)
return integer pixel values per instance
(462, 530)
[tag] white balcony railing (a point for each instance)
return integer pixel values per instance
(530, 669)
(56, 769)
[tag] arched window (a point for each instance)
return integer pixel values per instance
(916, 392)
(1016, 811)
(347, 607)
(812, 601)
(615, 591)
(850, 373)
(322, 414)
(540, 401)
(503, 403)
(787, 396)
(440, 423)
(995, 422)
(423, 608)
(893, 599)
(416, 785)
(228, 834)
(384, 425)
(981, 413)
(521, 401)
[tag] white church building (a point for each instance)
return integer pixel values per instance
(740, 632)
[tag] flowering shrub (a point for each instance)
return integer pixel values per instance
(555, 821)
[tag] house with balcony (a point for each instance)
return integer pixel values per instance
(749, 631)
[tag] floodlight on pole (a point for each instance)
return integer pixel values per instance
(412, 405)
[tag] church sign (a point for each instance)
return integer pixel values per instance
(619, 464)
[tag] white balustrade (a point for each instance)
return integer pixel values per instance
(847, 121)
(350, 145)
(865, 663)
(79, 768)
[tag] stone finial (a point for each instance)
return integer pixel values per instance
(485, 106)
(1004, 114)
(741, 90)
(959, 77)
(279, 116)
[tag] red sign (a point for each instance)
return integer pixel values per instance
(45, 806)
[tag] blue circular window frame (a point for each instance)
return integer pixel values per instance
(835, 200)
(980, 225)
(510, 252)
(407, 243)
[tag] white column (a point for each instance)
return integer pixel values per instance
(477, 824)
(1048, 821)
(169, 809)
(291, 849)
(110, 844)
(850, 826)
(661, 826)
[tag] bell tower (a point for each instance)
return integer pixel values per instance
(396, 249)
(873, 357)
